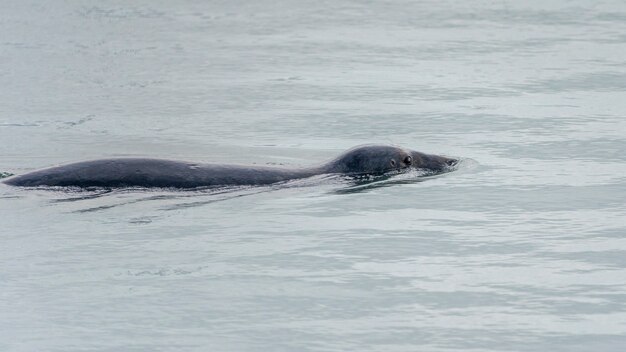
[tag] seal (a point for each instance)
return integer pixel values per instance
(141, 172)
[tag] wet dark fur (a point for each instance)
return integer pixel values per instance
(140, 172)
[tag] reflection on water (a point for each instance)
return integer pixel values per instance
(520, 249)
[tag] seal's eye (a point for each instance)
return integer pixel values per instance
(408, 160)
(392, 163)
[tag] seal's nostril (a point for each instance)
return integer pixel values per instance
(451, 162)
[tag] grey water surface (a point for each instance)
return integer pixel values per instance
(523, 248)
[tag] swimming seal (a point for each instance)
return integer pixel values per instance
(140, 172)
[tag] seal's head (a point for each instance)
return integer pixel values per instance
(380, 159)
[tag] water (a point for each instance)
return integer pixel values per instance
(521, 249)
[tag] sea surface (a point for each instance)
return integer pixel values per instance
(523, 248)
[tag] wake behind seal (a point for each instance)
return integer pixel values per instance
(142, 172)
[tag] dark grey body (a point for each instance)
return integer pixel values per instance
(140, 172)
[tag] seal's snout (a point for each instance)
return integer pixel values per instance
(451, 162)
(438, 163)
